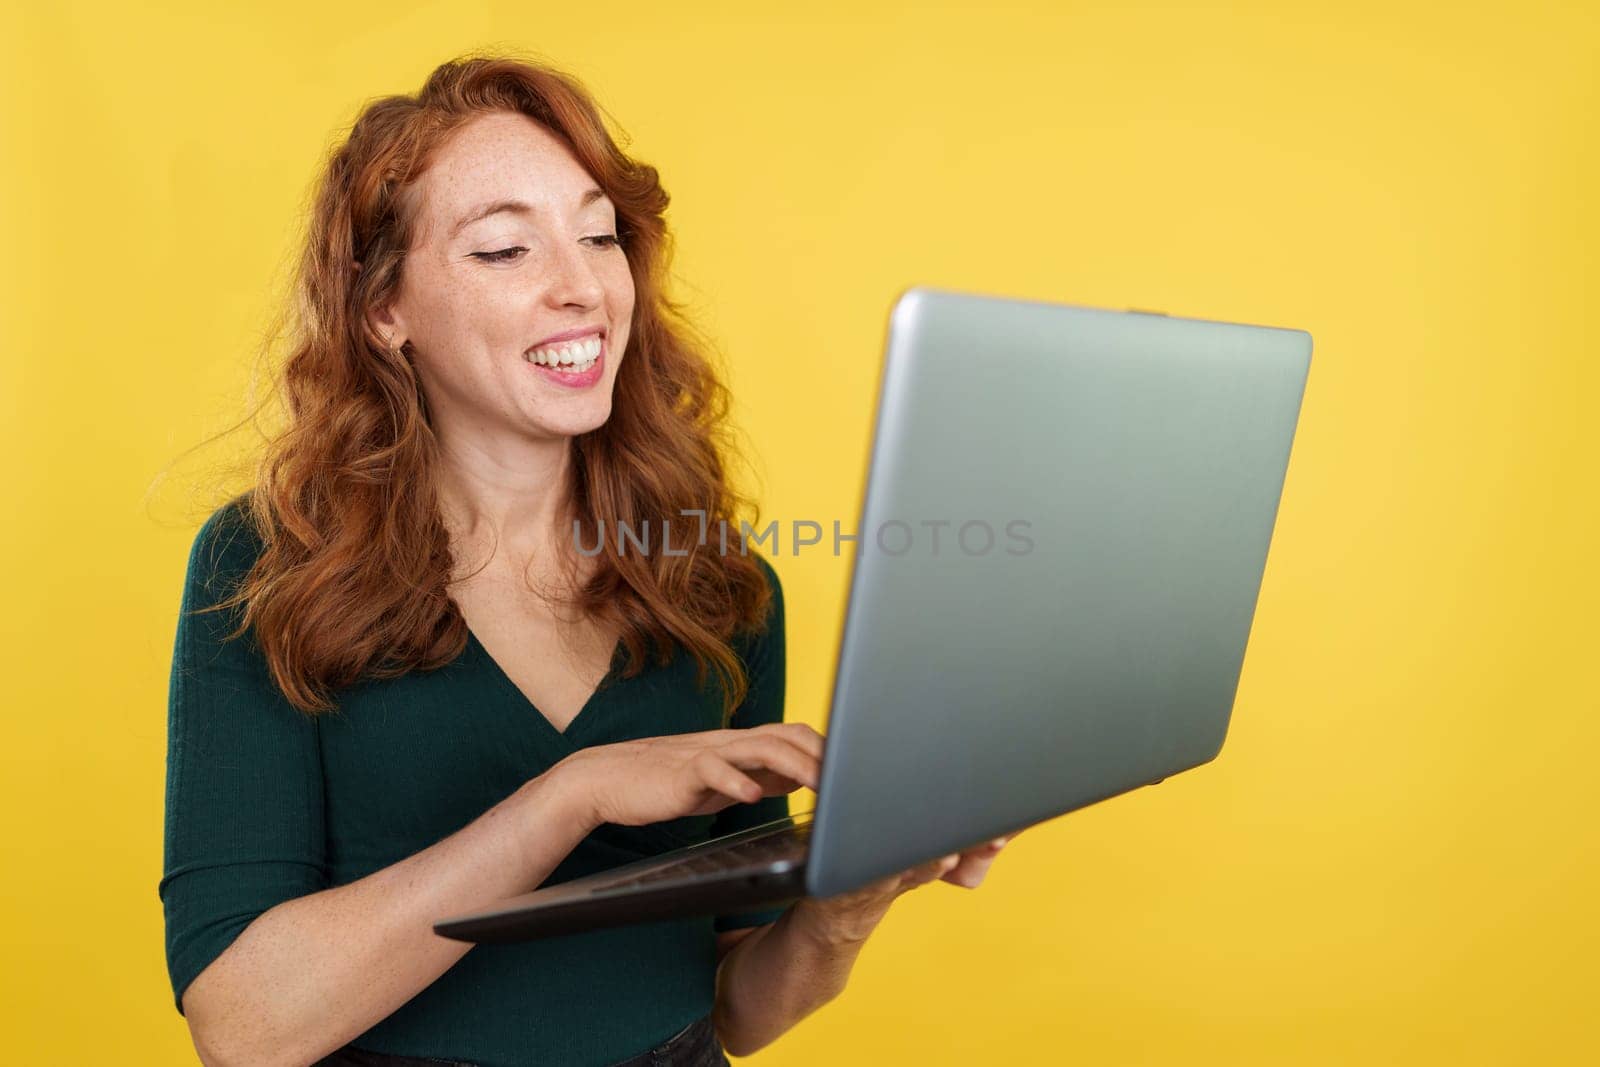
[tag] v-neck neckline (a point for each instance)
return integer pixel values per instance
(565, 737)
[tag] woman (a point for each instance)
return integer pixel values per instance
(417, 670)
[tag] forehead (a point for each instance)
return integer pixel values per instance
(503, 154)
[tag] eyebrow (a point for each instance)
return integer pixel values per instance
(516, 207)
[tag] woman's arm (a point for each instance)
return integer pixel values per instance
(771, 977)
(310, 974)
(775, 976)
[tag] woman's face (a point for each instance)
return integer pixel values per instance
(513, 244)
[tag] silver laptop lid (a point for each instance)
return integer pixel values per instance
(1103, 487)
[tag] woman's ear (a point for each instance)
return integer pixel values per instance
(390, 327)
(386, 322)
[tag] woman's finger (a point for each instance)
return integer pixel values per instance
(773, 783)
(725, 778)
(798, 733)
(774, 752)
(803, 740)
(970, 872)
(927, 872)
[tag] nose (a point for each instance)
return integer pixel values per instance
(572, 279)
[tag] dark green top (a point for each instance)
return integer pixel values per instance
(265, 803)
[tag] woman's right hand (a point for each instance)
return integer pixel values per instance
(653, 779)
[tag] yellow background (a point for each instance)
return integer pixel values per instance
(1394, 858)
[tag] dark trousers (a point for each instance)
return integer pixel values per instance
(696, 1045)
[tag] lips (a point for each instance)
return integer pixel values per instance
(568, 335)
(575, 379)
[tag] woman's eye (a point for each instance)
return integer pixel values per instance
(502, 256)
(506, 255)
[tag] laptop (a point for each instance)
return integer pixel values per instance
(1062, 540)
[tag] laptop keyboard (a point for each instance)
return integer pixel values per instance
(790, 843)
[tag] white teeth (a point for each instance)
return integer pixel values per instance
(575, 354)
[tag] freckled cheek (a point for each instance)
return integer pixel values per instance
(453, 313)
(615, 348)
(496, 323)
(622, 332)
(620, 292)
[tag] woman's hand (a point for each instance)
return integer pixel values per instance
(851, 917)
(652, 779)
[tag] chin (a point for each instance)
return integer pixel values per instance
(565, 424)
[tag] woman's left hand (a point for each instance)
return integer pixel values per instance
(851, 917)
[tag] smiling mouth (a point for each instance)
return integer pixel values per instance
(573, 357)
(581, 371)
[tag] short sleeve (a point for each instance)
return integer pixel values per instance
(763, 703)
(244, 793)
